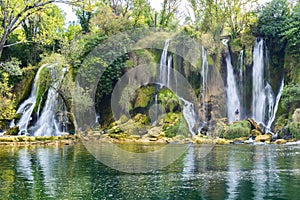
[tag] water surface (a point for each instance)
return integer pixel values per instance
(227, 172)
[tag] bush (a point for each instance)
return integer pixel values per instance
(238, 129)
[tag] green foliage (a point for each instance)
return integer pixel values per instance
(12, 68)
(7, 106)
(144, 96)
(294, 128)
(290, 99)
(13, 131)
(141, 119)
(172, 124)
(273, 18)
(291, 30)
(168, 99)
(237, 130)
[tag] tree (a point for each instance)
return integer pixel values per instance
(292, 29)
(273, 18)
(14, 12)
(7, 107)
(42, 28)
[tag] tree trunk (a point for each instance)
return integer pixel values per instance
(2, 42)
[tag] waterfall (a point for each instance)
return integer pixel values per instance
(189, 115)
(273, 114)
(241, 64)
(258, 98)
(169, 70)
(26, 108)
(47, 124)
(165, 77)
(241, 83)
(204, 74)
(163, 70)
(233, 102)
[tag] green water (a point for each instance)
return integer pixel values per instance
(227, 172)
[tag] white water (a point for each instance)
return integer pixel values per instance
(258, 98)
(241, 64)
(27, 106)
(233, 102)
(47, 124)
(189, 115)
(273, 115)
(163, 70)
(241, 85)
(204, 74)
(165, 77)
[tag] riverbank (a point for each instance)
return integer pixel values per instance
(134, 139)
(197, 139)
(38, 140)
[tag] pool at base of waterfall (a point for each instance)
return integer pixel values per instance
(227, 172)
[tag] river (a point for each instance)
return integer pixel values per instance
(227, 172)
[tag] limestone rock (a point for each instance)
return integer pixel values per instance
(263, 138)
(280, 141)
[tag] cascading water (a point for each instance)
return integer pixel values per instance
(169, 70)
(165, 77)
(46, 123)
(163, 70)
(233, 102)
(272, 118)
(258, 98)
(264, 104)
(26, 108)
(241, 84)
(189, 114)
(204, 74)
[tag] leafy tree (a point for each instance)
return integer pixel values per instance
(290, 98)
(14, 12)
(292, 29)
(272, 19)
(7, 107)
(42, 28)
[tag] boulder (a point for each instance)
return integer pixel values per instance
(280, 141)
(296, 115)
(263, 138)
(254, 125)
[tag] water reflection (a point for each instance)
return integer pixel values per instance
(227, 172)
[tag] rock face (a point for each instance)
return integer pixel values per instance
(296, 115)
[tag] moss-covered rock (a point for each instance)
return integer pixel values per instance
(175, 124)
(13, 131)
(238, 129)
(142, 119)
(144, 96)
(169, 100)
(295, 129)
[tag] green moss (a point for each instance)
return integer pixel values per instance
(169, 100)
(174, 124)
(144, 96)
(238, 129)
(142, 119)
(13, 131)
